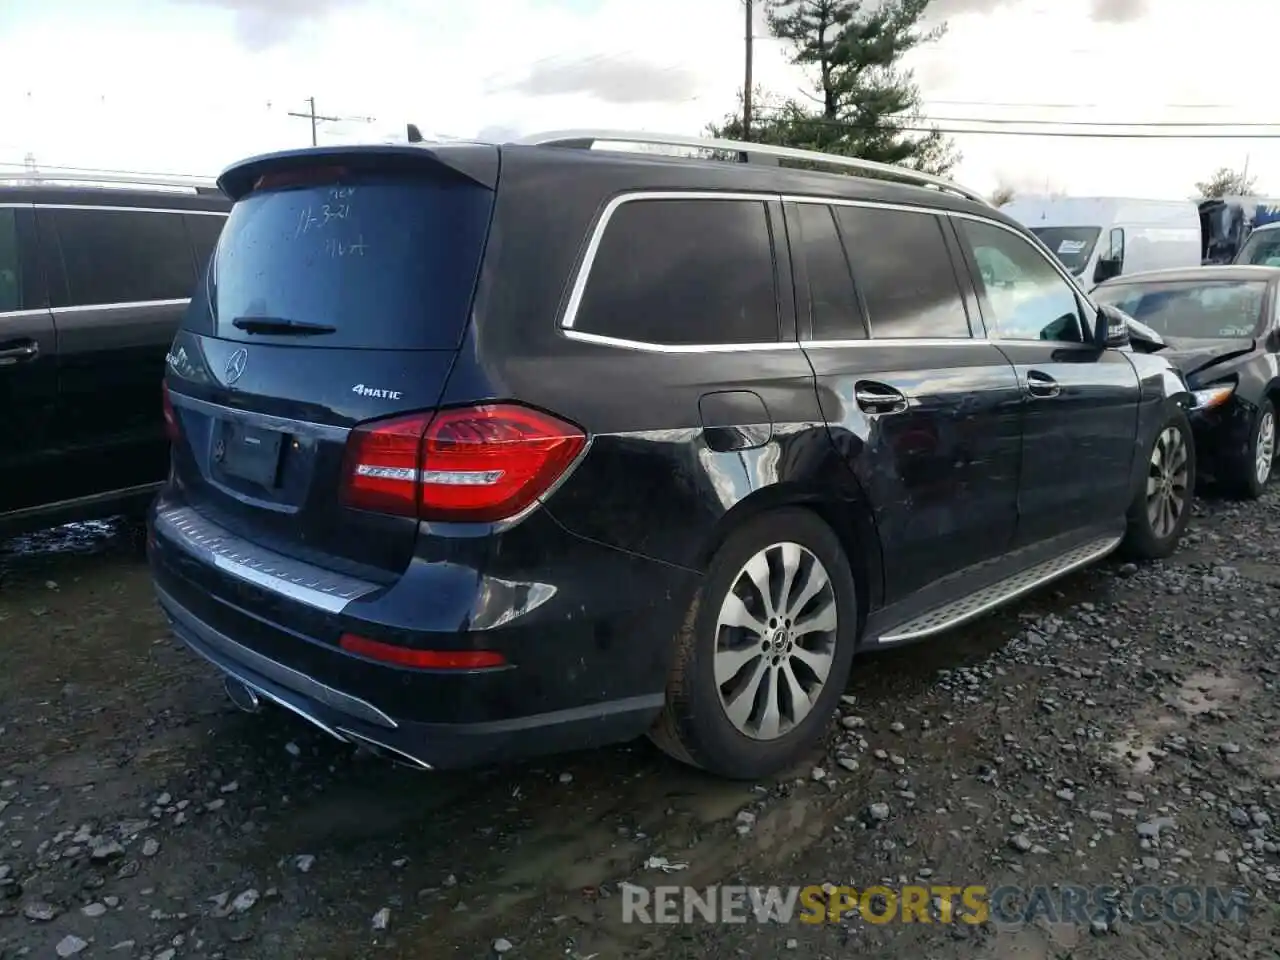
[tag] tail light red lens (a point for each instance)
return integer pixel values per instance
(171, 428)
(422, 659)
(482, 463)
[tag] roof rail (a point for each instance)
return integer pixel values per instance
(748, 153)
(53, 176)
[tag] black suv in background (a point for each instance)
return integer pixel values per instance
(94, 277)
(482, 451)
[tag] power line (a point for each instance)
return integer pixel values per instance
(1082, 134)
(54, 169)
(316, 118)
(1076, 106)
(1035, 122)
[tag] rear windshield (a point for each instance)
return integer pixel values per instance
(1072, 245)
(1210, 310)
(386, 263)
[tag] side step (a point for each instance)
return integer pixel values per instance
(976, 604)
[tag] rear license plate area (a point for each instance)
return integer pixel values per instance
(250, 453)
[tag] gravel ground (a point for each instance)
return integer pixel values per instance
(1116, 728)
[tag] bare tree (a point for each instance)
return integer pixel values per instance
(1226, 182)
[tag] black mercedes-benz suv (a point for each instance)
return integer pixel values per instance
(488, 450)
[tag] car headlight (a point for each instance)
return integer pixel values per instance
(1214, 396)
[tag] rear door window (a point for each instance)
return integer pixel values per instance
(833, 301)
(124, 256)
(680, 272)
(386, 262)
(903, 267)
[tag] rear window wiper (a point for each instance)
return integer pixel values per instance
(280, 325)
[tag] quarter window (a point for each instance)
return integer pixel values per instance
(684, 272)
(833, 301)
(1027, 298)
(124, 256)
(903, 268)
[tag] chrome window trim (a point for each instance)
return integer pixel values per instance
(647, 347)
(10, 204)
(841, 202)
(111, 207)
(81, 308)
(570, 315)
(18, 314)
(900, 342)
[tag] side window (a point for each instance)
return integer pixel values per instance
(903, 268)
(124, 256)
(684, 272)
(833, 302)
(1027, 297)
(10, 262)
(204, 230)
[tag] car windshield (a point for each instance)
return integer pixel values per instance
(1192, 309)
(1262, 249)
(1072, 245)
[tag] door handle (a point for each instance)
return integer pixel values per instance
(878, 398)
(24, 351)
(1041, 384)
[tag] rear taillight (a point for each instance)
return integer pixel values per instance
(171, 428)
(481, 463)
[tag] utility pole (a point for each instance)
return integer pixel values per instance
(746, 83)
(314, 117)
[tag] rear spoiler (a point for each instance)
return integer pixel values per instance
(477, 163)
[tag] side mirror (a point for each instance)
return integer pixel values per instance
(1106, 269)
(1111, 330)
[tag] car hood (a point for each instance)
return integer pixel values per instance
(1193, 356)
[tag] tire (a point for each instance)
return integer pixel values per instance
(1154, 538)
(695, 726)
(1246, 476)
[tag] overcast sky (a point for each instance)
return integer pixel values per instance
(187, 86)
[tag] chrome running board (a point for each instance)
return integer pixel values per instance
(960, 611)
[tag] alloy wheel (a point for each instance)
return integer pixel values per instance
(1167, 476)
(775, 641)
(1266, 446)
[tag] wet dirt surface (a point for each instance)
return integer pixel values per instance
(1117, 727)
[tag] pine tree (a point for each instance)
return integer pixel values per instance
(863, 103)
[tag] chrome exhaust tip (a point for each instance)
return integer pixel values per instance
(242, 695)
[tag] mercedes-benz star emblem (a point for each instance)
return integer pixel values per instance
(235, 365)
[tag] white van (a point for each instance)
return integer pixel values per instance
(1098, 238)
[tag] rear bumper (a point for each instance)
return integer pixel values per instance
(587, 666)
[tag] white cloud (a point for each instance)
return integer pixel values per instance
(191, 85)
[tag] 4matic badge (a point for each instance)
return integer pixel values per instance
(364, 391)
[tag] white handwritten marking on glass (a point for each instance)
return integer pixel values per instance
(342, 248)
